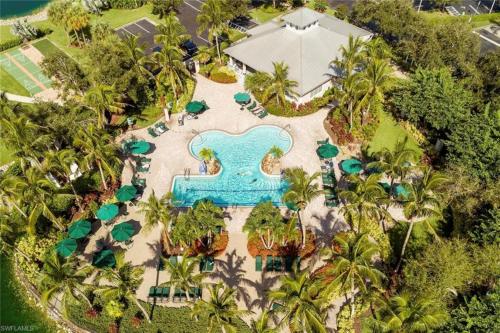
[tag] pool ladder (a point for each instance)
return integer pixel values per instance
(187, 173)
(288, 128)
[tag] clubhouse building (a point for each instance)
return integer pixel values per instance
(305, 40)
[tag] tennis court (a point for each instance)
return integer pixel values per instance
(24, 71)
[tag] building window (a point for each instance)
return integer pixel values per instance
(315, 91)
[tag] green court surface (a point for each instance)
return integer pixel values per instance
(15, 71)
(46, 47)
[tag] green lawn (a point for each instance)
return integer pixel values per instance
(388, 134)
(329, 10)
(9, 84)
(476, 20)
(5, 33)
(263, 14)
(46, 47)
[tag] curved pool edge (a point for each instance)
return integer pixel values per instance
(265, 174)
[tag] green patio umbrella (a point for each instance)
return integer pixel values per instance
(194, 107)
(107, 212)
(126, 193)
(104, 258)
(122, 232)
(79, 229)
(351, 166)
(66, 247)
(327, 151)
(139, 147)
(242, 98)
(401, 191)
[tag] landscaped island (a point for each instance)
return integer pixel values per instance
(175, 166)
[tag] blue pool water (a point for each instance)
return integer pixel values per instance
(241, 182)
(14, 8)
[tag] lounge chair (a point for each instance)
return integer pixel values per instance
(143, 159)
(178, 294)
(258, 264)
(288, 263)
(322, 142)
(161, 127)
(275, 306)
(152, 132)
(158, 293)
(269, 263)
(278, 264)
(142, 168)
(195, 293)
(138, 182)
(252, 106)
(207, 264)
(263, 114)
(165, 294)
(173, 260)
(151, 294)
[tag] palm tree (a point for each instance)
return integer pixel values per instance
(36, 192)
(221, 309)
(171, 32)
(279, 85)
(65, 278)
(266, 223)
(24, 138)
(102, 99)
(348, 96)
(78, 19)
(122, 282)
(60, 163)
(182, 274)
(255, 82)
(301, 192)
(213, 17)
(395, 163)
(300, 301)
(207, 154)
(351, 56)
(374, 80)
(58, 13)
(261, 324)
(139, 60)
(98, 149)
(289, 232)
(401, 313)
(9, 231)
(164, 8)
(423, 204)
(158, 211)
(352, 265)
(363, 200)
(276, 152)
(172, 70)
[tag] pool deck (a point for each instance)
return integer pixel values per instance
(170, 157)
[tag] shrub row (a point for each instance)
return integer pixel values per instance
(16, 41)
(126, 4)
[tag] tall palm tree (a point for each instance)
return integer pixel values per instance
(58, 13)
(171, 32)
(351, 56)
(158, 211)
(397, 163)
(164, 8)
(423, 204)
(214, 18)
(137, 57)
(261, 324)
(63, 277)
(266, 223)
(221, 309)
(363, 200)
(352, 265)
(102, 99)
(122, 282)
(375, 80)
(11, 194)
(348, 96)
(36, 192)
(279, 86)
(401, 313)
(173, 73)
(9, 231)
(77, 20)
(24, 138)
(98, 150)
(301, 303)
(182, 274)
(302, 190)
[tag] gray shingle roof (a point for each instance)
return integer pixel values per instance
(308, 53)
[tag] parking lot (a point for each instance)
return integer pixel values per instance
(145, 30)
(465, 7)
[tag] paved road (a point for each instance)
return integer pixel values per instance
(187, 15)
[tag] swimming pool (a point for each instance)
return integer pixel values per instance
(241, 181)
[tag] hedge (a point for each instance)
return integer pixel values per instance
(164, 319)
(10, 43)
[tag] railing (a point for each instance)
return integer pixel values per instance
(187, 173)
